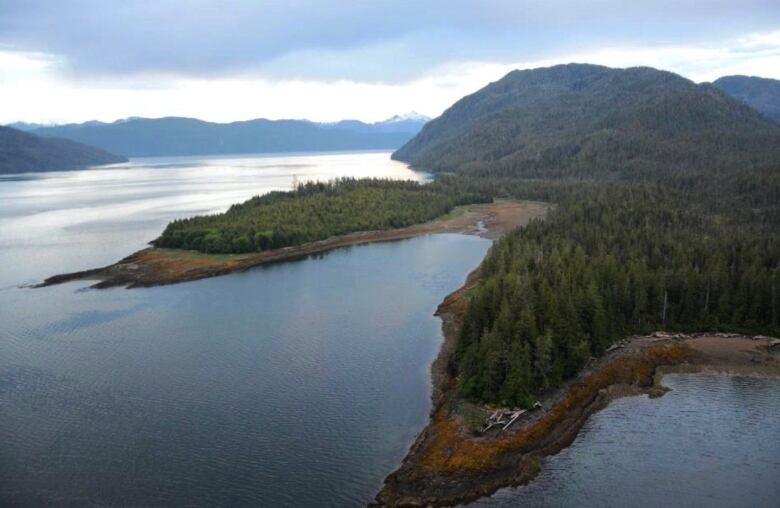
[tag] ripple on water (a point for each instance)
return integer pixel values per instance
(713, 440)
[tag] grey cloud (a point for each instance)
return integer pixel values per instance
(365, 40)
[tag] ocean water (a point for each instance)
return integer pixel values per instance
(295, 384)
(73, 220)
(714, 440)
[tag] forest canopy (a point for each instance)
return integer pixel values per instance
(668, 217)
(610, 262)
(312, 212)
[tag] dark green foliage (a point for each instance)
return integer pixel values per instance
(609, 263)
(669, 207)
(762, 94)
(21, 152)
(668, 210)
(587, 121)
(315, 211)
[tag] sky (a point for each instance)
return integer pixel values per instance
(76, 60)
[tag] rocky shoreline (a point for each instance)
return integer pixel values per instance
(449, 465)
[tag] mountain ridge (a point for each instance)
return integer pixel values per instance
(762, 94)
(23, 152)
(168, 136)
(580, 119)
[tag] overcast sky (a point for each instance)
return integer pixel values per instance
(76, 60)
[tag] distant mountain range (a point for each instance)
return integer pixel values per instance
(23, 152)
(561, 118)
(142, 137)
(588, 121)
(762, 94)
(25, 126)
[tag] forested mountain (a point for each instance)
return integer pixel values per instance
(25, 126)
(140, 137)
(585, 120)
(668, 217)
(410, 123)
(763, 94)
(22, 152)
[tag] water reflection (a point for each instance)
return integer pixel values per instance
(295, 384)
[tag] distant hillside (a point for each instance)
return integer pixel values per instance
(139, 137)
(22, 152)
(410, 123)
(762, 94)
(24, 126)
(583, 121)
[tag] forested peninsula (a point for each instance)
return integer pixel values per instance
(312, 212)
(668, 213)
(666, 201)
(313, 219)
(667, 217)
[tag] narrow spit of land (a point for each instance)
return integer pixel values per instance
(155, 266)
(448, 464)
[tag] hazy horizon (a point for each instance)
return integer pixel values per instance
(408, 115)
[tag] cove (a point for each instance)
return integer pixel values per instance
(300, 383)
(294, 384)
(713, 440)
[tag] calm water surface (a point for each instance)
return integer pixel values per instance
(73, 220)
(296, 384)
(713, 440)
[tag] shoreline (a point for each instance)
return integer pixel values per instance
(448, 465)
(154, 266)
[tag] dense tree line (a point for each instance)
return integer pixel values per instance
(668, 215)
(314, 211)
(611, 261)
(668, 199)
(740, 194)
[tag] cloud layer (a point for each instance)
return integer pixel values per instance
(76, 60)
(369, 40)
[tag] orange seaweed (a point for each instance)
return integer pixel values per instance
(450, 450)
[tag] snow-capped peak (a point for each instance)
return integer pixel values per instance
(412, 116)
